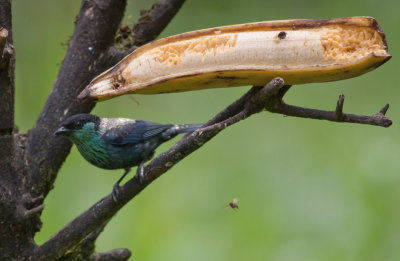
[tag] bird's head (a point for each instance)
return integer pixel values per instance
(79, 127)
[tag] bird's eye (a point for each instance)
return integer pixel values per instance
(75, 125)
(78, 125)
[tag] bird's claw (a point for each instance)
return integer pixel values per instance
(115, 192)
(140, 179)
(140, 173)
(116, 189)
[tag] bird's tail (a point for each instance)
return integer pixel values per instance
(187, 128)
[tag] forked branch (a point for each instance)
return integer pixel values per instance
(337, 115)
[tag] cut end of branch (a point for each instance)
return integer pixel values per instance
(386, 122)
(6, 49)
(3, 40)
(262, 99)
(3, 34)
(274, 85)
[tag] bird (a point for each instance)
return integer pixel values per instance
(118, 143)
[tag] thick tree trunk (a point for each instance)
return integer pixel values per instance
(29, 162)
(17, 227)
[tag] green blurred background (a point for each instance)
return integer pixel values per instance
(307, 189)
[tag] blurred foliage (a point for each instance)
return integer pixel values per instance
(307, 189)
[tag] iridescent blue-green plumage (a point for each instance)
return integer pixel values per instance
(117, 143)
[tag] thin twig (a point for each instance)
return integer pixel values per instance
(223, 124)
(234, 108)
(337, 115)
(384, 110)
(290, 110)
(31, 212)
(278, 106)
(339, 108)
(34, 201)
(251, 105)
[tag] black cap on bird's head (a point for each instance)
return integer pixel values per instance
(76, 122)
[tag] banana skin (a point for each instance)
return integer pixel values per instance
(299, 51)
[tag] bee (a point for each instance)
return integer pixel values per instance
(233, 204)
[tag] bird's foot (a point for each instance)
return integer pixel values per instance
(117, 188)
(115, 192)
(140, 173)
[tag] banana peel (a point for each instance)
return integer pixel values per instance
(299, 51)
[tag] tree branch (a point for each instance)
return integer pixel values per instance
(119, 254)
(85, 248)
(150, 24)
(378, 119)
(95, 28)
(278, 106)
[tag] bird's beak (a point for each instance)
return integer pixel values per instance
(62, 131)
